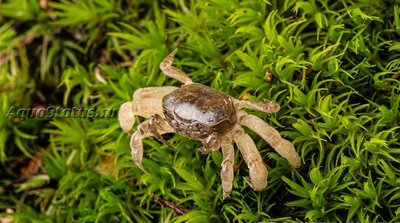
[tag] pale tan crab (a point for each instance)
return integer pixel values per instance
(202, 113)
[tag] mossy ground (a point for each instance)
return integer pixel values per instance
(332, 65)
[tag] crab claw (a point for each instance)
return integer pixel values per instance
(126, 117)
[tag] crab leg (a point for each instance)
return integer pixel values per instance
(257, 170)
(227, 168)
(126, 116)
(272, 136)
(264, 106)
(155, 126)
(211, 143)
(167, 68)
(146, 102)
(152, 93)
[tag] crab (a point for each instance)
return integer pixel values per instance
(202, 113)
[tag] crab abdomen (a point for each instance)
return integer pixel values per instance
(196, 111)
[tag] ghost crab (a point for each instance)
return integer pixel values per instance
(202, 113)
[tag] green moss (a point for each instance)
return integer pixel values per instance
(335, 72)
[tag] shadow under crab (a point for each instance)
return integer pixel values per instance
(203, 113)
